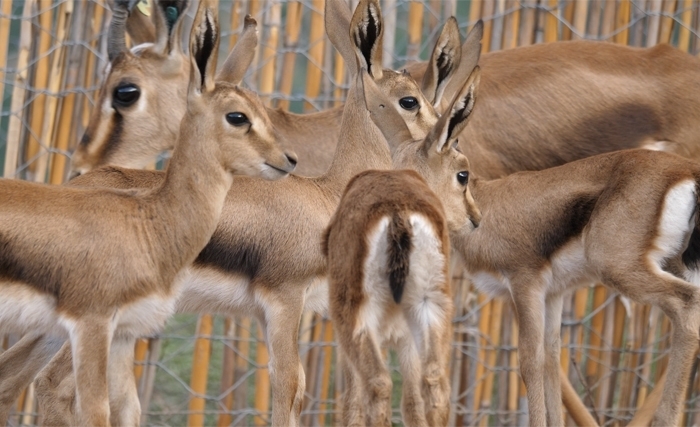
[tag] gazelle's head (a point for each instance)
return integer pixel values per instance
(363, 49)
(218, 110)
(436, 157)
(142, 99)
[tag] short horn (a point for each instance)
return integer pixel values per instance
(116, 40)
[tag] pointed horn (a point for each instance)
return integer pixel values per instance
(116, 40)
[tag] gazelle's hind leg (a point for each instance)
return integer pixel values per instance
(366, 358)
(353, 413)
(552, 343)
(412, 403)
(20, 364)
(55, 389)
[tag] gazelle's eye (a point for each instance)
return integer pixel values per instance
(463, 177)
(237, 119)
(125, 95)
(408, 103)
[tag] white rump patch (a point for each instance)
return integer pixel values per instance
(657, 146)
(676, 222)
(374, 279)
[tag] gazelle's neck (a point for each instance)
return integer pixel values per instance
(361, 146)
(193, 193)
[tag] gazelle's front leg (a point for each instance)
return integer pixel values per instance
(90, 338)
(530, 308)
(282, 320)
(20, 364)
(124, 404)
(552, 352)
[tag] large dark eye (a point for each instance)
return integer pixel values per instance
(463, 177)
(408, 103)
(126, 95)
(237, 119)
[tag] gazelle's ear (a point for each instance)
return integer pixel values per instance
(139, 25)
(453, 122)
(204, 46)
(471, 50)
(167, 18)
(242, 55)
(366, 31)
(337, 22)
(383, 114)
(443, 62)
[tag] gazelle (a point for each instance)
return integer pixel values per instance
(62, 273)
(628, 219)
(265, 259)
(548, 104)
(388, 255)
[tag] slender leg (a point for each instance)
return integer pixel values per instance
(412, 403)
(20, 364)
(286, 371)
(55, 389)
(353, 411)
(529, 304)
(124, 404)
(90, 343)
(552, 345)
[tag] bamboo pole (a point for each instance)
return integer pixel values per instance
(604, 370)
(240, 399)
(497, 29)
(487, 13)
(513, 377)
(595, 340)
(262, 380)
(484, 317)
(415, 29)
(227, 374)
(312, 365)
(267, 76)
(495, 338)
(235, 23)
(5, 11)
(291, 40)
(565, 355)
(654, 21)
(41, 81)
(28, 406)
(389, 37)
(56, 78)
(18, 93)
(475, 11)
(608, 19)
(594, 24)
(618, 333)
(200, 367)
(316, 45)
(327, 367)
(580, 303)
(622, 21)
(90, 69)
(649, 347)
(666, 22)
(149, 378)
(527, 26)
(551, 22)
(580, 18)
(568, 17)
(140, 353)
(686, 24)
(512, 21)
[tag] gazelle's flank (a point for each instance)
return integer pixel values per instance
(628, 219)
(61, 272)
(265, 259)
(388, 255)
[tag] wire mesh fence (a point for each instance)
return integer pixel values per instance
(205, 370)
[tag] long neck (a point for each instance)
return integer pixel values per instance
(361, 145)
(192, 196)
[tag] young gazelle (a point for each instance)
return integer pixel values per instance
(265, 258)
(388, 255)
(61, 272)
(628, 219)
(143, 98)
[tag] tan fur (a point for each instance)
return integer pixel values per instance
(600, 97)
(403, 305)
(609, 214)
(88, 283)
(267, 249)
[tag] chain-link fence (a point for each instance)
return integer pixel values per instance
(204, 370)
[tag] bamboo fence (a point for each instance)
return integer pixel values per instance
(211, 370)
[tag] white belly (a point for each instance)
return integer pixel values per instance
(24, 310)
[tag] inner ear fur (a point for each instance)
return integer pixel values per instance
(204, 45)
(367, 34)
(443, 62)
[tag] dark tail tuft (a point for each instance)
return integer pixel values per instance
(399, 238)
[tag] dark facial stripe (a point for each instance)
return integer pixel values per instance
(115, 136)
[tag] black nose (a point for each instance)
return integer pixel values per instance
(291, 159)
